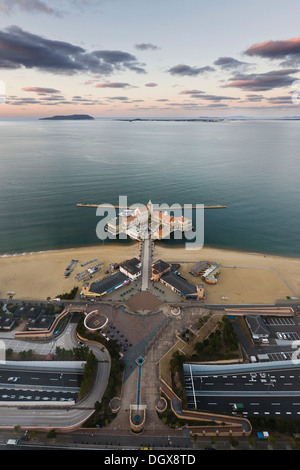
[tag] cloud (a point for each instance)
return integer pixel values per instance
(113, 85)
(230, 63)
(40, 90)
(20, 49)
(31, 6)
(191, 92)
(263, 81)
(254, 98)
(118, 98)
(182, 69)
(288, 49)
(145, 47)
(203, 96)
(151, 84)
(120, 59)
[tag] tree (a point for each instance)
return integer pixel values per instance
(17, 428)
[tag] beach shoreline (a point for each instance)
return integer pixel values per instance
(244, 278)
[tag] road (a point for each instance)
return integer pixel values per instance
(68, 417)
(268, 392)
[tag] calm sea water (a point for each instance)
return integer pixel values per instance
(47, 167)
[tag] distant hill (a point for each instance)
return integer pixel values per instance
(71, 117)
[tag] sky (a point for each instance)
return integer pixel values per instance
(150, 58)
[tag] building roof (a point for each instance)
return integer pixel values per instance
(108, 283)
(257, 325)
(162, 216)
(199, 267)
(160, 266)
(131, 265)
(179, 283)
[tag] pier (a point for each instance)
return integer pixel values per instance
(124, 207)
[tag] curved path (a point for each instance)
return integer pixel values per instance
(61, 419)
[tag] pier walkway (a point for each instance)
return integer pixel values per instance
(146, 261)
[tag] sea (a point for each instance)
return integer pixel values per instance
(251, 166)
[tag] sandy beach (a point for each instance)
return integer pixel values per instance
(244, 277)
(41, 275)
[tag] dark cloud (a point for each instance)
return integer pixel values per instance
(288, 49)
(151, 84)
(30, 6)
(144, 47)
(254, 98)
(40, 90)
(118, 98)
(263, 81)
(191, 92)
(182, 70)
(230, 63)
(119, 59)
(203, 96)
(113, 85)
(19, 49)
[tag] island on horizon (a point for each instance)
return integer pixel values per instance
(71, 117)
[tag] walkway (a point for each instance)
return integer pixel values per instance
(145, 263)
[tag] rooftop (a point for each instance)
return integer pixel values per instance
(108, 283)
(160, 266)
(179, 283)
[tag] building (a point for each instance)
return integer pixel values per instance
(159, 268)
(131, 268)
(140, 221)
(180, 285)
(160, 233)
(257, 327)
(162, 218)
(207, 270)
(43, 322)
(105, 285)
(113, 226)
(163, 272)
(182, 223)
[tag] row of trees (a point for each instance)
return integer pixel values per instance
(69, 295)
(90, 369)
